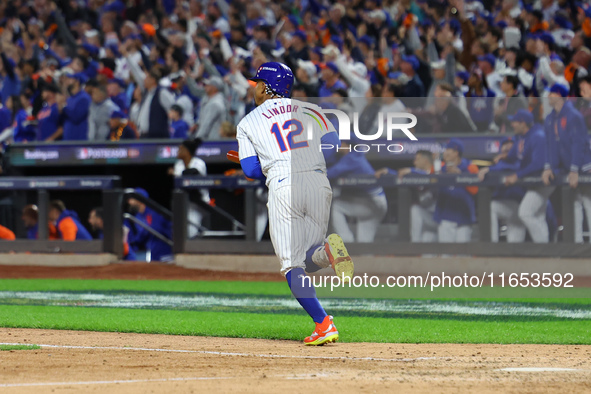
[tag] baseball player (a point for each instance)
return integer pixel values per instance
(455, 210)
(422, 226)
(275, 147)
(567, 146)
(505, 200)
(530, 150)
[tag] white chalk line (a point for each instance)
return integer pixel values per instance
(231, 353)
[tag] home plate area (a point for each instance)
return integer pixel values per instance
(75, 361)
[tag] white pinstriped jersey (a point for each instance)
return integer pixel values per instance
(285, 134)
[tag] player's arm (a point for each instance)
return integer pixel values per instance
(249, 160)
(580, 142)
(538, 155)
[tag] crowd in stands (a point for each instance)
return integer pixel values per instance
(114, 69)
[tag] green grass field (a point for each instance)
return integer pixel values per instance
(266, 310)
(4, 348)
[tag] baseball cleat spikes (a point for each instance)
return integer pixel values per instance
(339, 257)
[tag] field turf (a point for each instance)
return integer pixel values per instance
(266, 310)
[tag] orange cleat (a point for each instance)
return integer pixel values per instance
(325, 332)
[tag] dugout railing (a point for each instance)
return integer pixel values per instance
(43, 186)
(400, 245)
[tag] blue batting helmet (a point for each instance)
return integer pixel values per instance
(277, 76)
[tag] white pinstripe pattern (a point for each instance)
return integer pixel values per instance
(299, 192)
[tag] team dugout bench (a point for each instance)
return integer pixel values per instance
(111, 197)
(402, 245)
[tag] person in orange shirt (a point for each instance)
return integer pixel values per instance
(66, 222)
(6, 234)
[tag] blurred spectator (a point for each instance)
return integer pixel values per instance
(25, 123)
(450, 118)
(455, 210)
(74, 107)
(480, 101)
(49, 126)
(115, 90)
(119, 127)
(178, 127)
(213, 110)
(415, 87)
(330, 80)
(100, 112)
(228, 130)
(152, 117)
(508, 106)
(66, 222)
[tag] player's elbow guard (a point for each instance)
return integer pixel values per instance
(252, 168)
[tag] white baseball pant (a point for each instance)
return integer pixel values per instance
(532, 212)
(449, 232)
(582, 202)
(422, 226)
(506, 210)
(299, 210)
(369, 211)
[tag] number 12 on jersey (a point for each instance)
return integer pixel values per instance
(291, 144)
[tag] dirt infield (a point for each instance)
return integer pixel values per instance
(139, 363)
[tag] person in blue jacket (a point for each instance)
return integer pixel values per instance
(178, 127)
(366, 205)
(529, 151)
(159, 250)
(567, 147)
(23, 127)
(67, 223)
(505, 199)
(48, 127)
(75, 109)
(455, 210)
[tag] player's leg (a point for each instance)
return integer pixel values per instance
(463, 233)
(515, 228)
(532, 212)
(446, 231)
(287, 230)
(578, 208)
(495, 213)
(367, 227)
(341, 208)
(416, 223)
(429, 225)
(585, 198)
